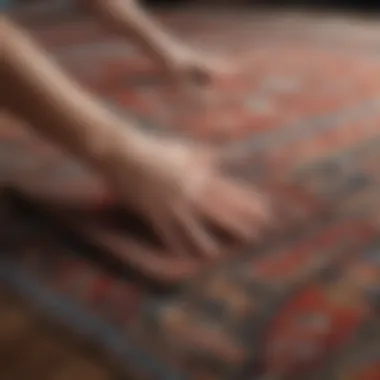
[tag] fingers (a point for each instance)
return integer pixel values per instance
(184, 191)
(201, 239)
(184, 233)
(137, 255)
(237, 210)
(199, 76)
(168, 229)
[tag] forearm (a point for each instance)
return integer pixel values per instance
(127, 18)
(34, 88)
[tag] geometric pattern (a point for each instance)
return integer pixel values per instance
(304, 113)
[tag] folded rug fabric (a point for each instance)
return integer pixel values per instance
(305, 111)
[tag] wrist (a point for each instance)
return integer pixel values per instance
(118, 143)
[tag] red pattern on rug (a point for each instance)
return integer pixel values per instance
(304, 111)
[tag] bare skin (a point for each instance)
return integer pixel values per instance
(179, 62)
(177, 187)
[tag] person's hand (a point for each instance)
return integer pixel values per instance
(190, 78)
(181, 190)
(188, 67)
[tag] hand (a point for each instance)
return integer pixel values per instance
(189, 67)
(181, 190)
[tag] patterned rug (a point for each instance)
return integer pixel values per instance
(304, 110)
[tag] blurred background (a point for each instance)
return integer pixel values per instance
(27, 338)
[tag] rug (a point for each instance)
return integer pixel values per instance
(305, 110)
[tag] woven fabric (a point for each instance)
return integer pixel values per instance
(305, 109)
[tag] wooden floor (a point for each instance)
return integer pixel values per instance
(33, 349)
